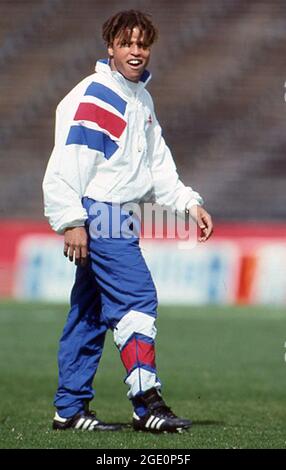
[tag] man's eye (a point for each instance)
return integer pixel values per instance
(143, 46)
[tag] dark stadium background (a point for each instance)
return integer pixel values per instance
(218, 83)
(219, 76)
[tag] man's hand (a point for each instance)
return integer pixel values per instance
(204, 221)
(75, 246)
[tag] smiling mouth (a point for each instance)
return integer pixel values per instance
(135, 63)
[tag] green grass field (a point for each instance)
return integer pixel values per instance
(222, 367)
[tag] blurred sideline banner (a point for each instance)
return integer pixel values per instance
(241, 264)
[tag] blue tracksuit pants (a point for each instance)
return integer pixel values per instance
(114, 291)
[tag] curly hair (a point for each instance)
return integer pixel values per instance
(121, 25)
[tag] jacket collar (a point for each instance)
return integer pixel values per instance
(102, 66)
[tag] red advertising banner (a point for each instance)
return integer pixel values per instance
(242, 263)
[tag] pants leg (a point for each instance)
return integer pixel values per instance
(81, 345)
(129, 299)
(134, 336)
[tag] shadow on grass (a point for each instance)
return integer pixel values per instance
(122, 425)
(208, 422)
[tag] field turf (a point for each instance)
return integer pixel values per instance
(223, 367)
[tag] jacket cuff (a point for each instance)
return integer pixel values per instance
(70, 219)
(192, 198)
(196, 200)
(76, 223)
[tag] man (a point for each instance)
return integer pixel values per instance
(109, 148)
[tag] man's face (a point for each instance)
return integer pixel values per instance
(129, 58)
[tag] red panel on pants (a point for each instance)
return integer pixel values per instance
(138, 351)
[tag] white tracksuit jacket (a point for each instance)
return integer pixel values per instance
(109, 147)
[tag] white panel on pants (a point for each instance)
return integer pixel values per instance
(134, 322)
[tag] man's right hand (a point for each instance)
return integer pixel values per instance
(75, 245)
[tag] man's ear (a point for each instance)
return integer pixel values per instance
(110, 50)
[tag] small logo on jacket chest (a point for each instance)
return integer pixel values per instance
(149, 120)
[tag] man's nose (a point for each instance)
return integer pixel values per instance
(135, 50)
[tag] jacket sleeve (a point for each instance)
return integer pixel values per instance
(65, 179)
(168, 188)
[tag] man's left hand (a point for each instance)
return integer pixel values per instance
(204, 222)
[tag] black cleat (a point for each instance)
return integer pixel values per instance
(160, 417)
(86, 421)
